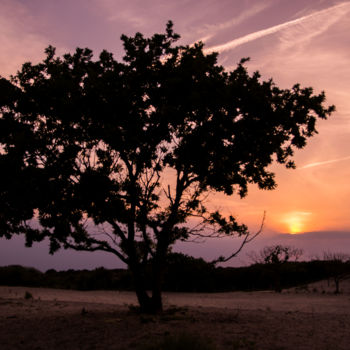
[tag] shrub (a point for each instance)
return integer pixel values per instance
(28, 295)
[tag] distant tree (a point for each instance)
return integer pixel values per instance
(276, 254)
(101, 155)
(338, 267)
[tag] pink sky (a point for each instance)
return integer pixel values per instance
(300, 41)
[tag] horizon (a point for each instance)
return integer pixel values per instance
(292, 43)
(313, 244)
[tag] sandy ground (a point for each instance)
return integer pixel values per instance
(63, 319)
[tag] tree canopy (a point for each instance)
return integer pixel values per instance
(100, 154)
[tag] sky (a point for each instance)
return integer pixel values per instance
(299, 41)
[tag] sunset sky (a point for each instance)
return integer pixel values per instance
(291, 41)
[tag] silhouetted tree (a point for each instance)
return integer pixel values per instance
(338, 267)
(276, 254)
(101, 155)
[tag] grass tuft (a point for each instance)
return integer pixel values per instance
(28, 295)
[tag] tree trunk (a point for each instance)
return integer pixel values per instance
(337, 280)
(150, 305)
(158, 268)
(157, 277)
(143, 299)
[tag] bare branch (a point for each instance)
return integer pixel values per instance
(99, 246)
(248, 238)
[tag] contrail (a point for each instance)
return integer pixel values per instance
(256, 35)
(311, 165)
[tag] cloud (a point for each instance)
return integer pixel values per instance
(301, 213)
(252, 11)
(311, 165)
(315, 25)
(197, 21)
(318, 16)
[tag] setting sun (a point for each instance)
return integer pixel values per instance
(296, 221)
(295, 227)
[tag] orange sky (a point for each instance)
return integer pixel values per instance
(301, 41)
(311, 47)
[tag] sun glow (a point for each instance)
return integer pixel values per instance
(295, 226)
(296, 221)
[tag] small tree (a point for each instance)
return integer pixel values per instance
(338, 267)
(101, 155)
(275, 254)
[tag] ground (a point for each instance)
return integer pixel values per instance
(312, 318)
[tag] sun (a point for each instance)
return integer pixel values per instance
(295, 226)
(296, 221)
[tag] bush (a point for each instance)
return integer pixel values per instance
(15, 275)
(28, 295)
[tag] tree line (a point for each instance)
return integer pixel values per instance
(184, 273)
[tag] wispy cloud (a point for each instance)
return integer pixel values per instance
(317, 24)
(339, 10)
(250, 12)
(311, 165)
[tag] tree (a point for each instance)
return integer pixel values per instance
(338, 267)
(276, 254)
(118, 156)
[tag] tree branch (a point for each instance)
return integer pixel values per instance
(248, 238)
(101, 246)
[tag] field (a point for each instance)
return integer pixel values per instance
(303, 318)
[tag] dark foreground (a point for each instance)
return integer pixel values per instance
(56, 324)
